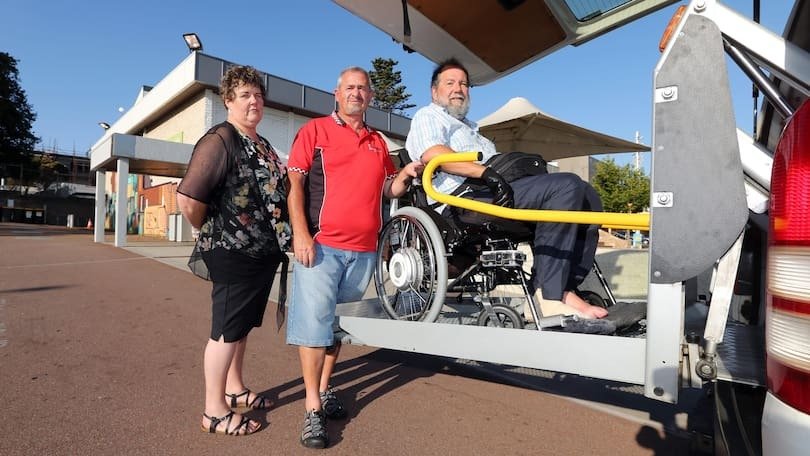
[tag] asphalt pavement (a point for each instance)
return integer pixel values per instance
(101, 353)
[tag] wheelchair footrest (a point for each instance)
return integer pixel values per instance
(572, 324)
(626, 314)
(585, 326)
(555, 321)
(621, 317)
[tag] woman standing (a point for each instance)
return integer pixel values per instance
(234, 193)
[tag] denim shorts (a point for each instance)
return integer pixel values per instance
(336, 276)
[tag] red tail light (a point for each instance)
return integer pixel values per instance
(787, 324)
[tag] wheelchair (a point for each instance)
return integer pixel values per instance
(423, 256)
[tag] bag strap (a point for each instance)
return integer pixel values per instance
(281, 309)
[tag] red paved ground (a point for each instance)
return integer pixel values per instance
(101, 350)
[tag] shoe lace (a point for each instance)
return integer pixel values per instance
(314, 425)
(329, 400)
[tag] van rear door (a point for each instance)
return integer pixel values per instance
(495, 38)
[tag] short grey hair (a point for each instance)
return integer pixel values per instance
(353, 69)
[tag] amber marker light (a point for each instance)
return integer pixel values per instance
(673, 24)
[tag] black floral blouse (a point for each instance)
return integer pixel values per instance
(243, 182)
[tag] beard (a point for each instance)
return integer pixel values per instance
(458, 111)
(353, 109)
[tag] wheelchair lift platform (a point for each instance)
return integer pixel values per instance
(455, 334)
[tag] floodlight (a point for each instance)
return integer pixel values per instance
(193, 42)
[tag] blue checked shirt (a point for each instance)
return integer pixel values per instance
(432, 126)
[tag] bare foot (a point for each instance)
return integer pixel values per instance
(588, 311)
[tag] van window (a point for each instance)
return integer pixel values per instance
(585, 10)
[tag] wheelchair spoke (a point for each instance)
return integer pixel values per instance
(410, 304)
(406, 271)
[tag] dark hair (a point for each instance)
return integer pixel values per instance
(237, 75)
(445, 65)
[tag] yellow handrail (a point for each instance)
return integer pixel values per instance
(616, 220)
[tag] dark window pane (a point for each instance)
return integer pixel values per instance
(585, 10)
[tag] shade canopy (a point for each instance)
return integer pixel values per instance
(521, 126)
(393, 146)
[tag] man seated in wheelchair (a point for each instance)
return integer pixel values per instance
(563, 252)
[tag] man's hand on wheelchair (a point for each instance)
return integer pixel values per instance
(502, 194)
(402, 181)
(413, 169)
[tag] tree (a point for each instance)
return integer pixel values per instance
(16, 119)
(622, 189)
(49, 170)
(389, 93)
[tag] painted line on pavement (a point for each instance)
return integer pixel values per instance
(74, 263)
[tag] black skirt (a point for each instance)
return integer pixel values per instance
(241, 288)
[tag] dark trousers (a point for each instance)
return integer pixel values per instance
(563, 252)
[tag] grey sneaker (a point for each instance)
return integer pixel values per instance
(332, 407)
(314, 433)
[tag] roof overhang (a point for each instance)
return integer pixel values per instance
(176, 86)
(145, 155)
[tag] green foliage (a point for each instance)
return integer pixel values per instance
(389, 93)
(16, 117)
(622, 189)
(49, 170)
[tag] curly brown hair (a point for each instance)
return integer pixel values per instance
(236, 76)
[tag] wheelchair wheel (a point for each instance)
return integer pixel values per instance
(411, 271)
(507, 316)
(592, 298)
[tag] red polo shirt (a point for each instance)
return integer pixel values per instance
(345, 173)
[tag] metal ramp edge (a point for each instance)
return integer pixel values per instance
(606, 357)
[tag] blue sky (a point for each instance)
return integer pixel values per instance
(80, 62)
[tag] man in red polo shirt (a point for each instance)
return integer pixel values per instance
(339, 169)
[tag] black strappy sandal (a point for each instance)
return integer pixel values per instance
(214, 423)
(259, 402)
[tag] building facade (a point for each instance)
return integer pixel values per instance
(153, 140)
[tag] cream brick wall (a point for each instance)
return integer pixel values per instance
(217, 112)
(279, 127)
(186, 125)
(206, 110)
(584, 166)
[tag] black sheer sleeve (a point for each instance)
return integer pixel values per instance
(206, 170)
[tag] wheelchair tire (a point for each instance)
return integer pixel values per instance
(508, 317)
(592, 298)
(411, 271)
